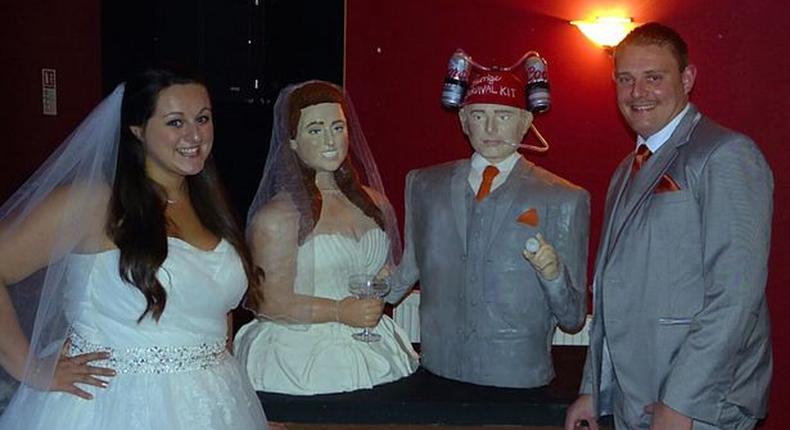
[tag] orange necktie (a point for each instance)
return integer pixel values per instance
(489, 174)
(642, 154)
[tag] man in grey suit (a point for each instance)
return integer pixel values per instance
(489, 307)
(680, 331)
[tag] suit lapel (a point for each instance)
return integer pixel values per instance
(458, 185)
(618, 186)
(643, 183)
(506, 195)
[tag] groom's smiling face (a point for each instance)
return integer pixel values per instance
(651, 87)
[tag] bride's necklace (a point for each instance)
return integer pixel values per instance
(174, 195)
(174, 200)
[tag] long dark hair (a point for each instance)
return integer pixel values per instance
(346, 176)
(137, 223)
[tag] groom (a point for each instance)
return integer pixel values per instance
(489, 307)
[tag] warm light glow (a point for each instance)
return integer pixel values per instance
(605, 31)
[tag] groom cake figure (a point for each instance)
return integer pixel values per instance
(489, 305)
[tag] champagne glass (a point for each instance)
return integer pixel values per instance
(367, 286)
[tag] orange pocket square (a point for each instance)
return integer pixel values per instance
(666, 184)
(529, 217)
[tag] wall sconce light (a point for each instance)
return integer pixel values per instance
(605, 31)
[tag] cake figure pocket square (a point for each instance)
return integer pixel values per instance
(529, 217)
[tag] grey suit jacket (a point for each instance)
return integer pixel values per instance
(680, 314)
(486, 316)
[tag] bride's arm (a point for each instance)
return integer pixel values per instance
(26, 246)
(13, 343)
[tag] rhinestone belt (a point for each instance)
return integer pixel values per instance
(153, 359)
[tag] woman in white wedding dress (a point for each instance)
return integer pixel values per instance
(125, 250)
(317, 219)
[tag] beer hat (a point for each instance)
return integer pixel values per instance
(496, 86)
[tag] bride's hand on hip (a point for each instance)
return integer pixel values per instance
(78, 369)
(361, 312)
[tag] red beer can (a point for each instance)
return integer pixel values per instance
(538, 97)
(457, 80)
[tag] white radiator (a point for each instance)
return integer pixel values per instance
(407, 315)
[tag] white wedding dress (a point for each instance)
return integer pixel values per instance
(324, 358)
(175, 374)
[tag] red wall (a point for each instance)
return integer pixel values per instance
(64, 35)
(396, 58)
(396, 55)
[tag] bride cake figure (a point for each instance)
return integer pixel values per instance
(320, 217)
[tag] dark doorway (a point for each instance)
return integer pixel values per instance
(246, 50)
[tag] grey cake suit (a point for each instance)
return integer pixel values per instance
(680, 314)
(486, 316)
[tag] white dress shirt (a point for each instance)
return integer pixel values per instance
(659, 138)
(479, 163)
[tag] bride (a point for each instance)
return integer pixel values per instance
(312, 225)
(125, 251)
